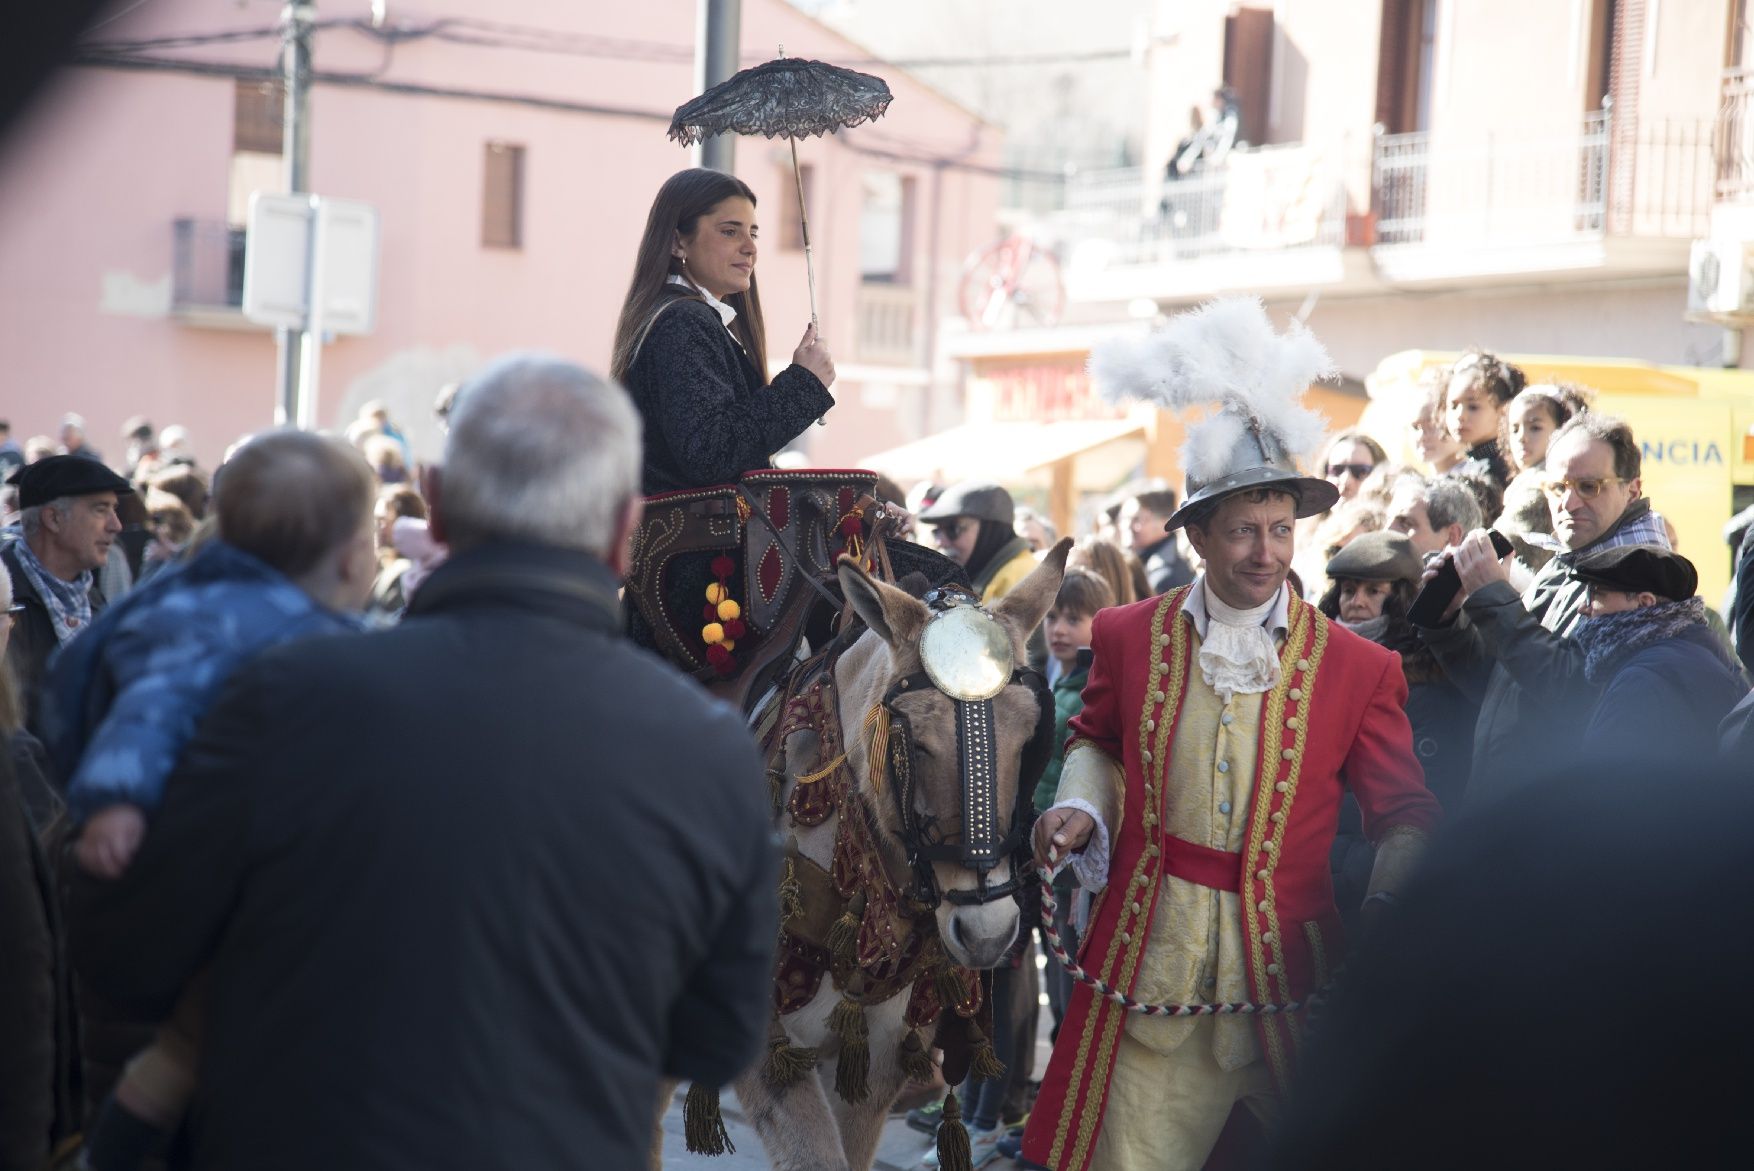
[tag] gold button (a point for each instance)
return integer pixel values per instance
(1276, 815)
(1157, 697)
(1289, 754)
(1266, 936)
(1260, 874)
(1294, 723)
(1146, 756)
(1262, 906)
(1303, 664)
(1151, 725)
(1280, 787)
(1126, 937)
(1296, 694)
(1163, 640)
(1269, 846)
(1272, 969)
(1138, 907)
(1151, 851)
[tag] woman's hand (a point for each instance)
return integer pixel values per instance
(814, 357)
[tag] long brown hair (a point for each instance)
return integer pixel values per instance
(684, 198)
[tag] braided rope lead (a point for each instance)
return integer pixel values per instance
(1058, 948)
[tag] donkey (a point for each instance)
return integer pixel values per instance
(807, 1125)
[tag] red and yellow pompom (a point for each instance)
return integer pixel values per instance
(723, 617)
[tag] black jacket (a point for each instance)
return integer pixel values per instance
(33, 636)
(466, 888)
(709, 414)
(38, 1049)
(1165, 568)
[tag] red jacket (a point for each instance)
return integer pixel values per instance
(1334, 722)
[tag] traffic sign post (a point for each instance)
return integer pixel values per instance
(310, 266)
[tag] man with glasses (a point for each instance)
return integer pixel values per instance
(1521, 649)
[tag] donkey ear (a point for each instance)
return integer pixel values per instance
(896, 616)
(1024, 607)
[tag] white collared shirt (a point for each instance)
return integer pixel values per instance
(1278, 620)
(725, 312)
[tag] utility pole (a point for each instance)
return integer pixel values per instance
(297, 20)
(715, 60)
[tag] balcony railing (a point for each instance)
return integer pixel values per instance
(1502, 190)
(1734, 145)
(208, 266)
(1271, 198)
(887, 321)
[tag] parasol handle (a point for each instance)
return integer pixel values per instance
(804, 224)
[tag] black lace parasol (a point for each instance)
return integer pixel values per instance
(790, 97)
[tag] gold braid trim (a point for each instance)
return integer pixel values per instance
(1293, 773)
(1105, 1016)
(1265, 789)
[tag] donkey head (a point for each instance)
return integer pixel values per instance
(960, 760)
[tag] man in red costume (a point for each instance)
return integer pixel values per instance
(1222, 724)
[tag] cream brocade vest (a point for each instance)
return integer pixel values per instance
(1196, 950)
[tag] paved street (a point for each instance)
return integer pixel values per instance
(900, 1149)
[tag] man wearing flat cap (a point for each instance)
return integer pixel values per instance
(1666, 679)
(972, 525)
(68, 515)
(1222, 725)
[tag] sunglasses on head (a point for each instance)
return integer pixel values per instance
(1587, 489)
(1358, 471)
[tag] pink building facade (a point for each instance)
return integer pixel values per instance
(512, 163)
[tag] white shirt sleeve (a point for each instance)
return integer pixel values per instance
(1089, 865)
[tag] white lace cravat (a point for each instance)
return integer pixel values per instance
(1238, 655)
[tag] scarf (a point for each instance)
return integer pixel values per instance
(1237, 655)
(1371, 628)
(68, 602)
(1610, 640)
(1638, 525)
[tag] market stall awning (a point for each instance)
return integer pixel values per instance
(1103, 453)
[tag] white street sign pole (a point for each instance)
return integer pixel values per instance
(311, 342)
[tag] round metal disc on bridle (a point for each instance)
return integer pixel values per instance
(967, 654)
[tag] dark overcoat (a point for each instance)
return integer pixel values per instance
(466, 889)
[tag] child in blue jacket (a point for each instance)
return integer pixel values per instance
(292, 557)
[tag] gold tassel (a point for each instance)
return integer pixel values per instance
(703, 1126)
(984, 1063)
(786, 1063)
(852, 1072)
(791, 894)
(843, 937)
(916, 1063)
(954, 1153)
(877, 723)
(776, 783)
(951, 990)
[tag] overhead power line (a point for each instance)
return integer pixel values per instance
(528, 38)
(897, 152)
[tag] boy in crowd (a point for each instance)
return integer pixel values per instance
(292, 558)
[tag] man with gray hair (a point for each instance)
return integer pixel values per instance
(1433, 512)
(67, 518)
(467, 888)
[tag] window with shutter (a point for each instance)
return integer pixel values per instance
(502, 196)
(257, 111)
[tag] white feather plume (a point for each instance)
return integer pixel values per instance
(1228, 354)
